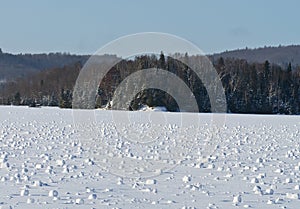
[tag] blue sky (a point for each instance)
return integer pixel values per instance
(81, 27)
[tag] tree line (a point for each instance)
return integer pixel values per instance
(264, 88)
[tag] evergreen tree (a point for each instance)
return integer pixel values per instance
(289, 68)
(65, 99)
(162, 61)
(17, 99)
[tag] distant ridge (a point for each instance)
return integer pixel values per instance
(281, 55)
(14, 66)
(21, 65)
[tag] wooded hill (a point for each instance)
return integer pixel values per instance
(250, 87)
(281, 55)
(23, 65)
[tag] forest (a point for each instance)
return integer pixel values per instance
(263, 88)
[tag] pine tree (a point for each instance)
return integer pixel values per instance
(162, 61)
(65, 99)
(289, 68)
(17, 99)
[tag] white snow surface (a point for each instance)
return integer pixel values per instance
(57, 158)
(157, 109)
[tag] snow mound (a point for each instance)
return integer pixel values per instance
(155, 109)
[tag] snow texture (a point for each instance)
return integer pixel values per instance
(48, 161)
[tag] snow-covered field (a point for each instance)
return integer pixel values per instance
(54, 158)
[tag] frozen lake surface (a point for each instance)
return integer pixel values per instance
(58, 158)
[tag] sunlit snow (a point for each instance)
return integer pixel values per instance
(249, 161)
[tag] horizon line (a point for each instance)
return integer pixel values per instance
(88, 54)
